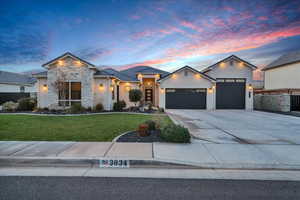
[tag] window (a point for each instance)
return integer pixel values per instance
(22, 89)
(69, 93)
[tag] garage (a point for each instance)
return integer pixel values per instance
(230, 93)
(187, 98)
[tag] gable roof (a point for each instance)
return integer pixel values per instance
(190, 68)
(253, 67)
(71, 55)
(15, 78)
(285, 59)
(132, 72)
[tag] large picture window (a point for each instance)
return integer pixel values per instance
(69, 94)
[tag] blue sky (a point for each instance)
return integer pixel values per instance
(166, 34)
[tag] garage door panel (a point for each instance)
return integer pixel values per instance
(186, 98)
(230, 95)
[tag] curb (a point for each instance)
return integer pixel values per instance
(135, 163)
(85, 162)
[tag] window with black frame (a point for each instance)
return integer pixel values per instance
(70, 93)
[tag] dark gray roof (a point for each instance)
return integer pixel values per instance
(132, 72)
(15, 78)
(115, 73)
(288, 58)
(44, 73)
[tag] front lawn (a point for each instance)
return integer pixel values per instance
(70, 128)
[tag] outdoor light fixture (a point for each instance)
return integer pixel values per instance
(162, 90)
(197, 76)
(222, 64)
(157, 76)
(174, 76)
(241, 64)
(78, 63)
(140, 76)
(127, 84)
(61, 62)
(127, 88)
(250, 87)
(214, 87)
(149, 83)
(101, 87)
(45, 87)
(210, 90)
(111, 88)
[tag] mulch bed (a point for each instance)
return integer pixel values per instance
(134, 137)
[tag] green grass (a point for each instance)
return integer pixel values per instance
(70, 128)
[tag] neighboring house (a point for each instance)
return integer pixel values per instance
(14, 86)
(224, 85)
(281, 90)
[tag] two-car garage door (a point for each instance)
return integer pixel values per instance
(188, 98)
(230, 94)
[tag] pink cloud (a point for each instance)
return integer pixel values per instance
(218, 22)
(158, 32)
(263, 18)
(191, 26)
(228, 8)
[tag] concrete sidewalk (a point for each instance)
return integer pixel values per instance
(197, 154)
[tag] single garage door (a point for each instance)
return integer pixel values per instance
(185, 98)
(230, 93)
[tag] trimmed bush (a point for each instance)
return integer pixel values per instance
(135, 95)
(77, 108)
(10, 106)
(176, 134)
(119, 106)
(99, 107)
(26, 104)
(151, 125)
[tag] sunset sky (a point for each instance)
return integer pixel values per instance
(166, 34)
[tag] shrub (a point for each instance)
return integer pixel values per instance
(143, 130)
(99, 107)
(175, 133)
(77, 108)
(151, 125)
(119, 106)
(26, 104)
(10, 106)
(135, 95)
(161, 110)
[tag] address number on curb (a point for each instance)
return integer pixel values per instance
(105, 163)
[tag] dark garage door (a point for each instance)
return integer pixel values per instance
(230, 93)
(185, 98)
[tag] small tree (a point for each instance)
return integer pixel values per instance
(60, 87)
(135, 95)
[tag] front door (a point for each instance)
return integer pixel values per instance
(149, 95)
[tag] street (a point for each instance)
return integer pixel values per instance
(31, 188)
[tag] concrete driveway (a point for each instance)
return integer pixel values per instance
(239, 126)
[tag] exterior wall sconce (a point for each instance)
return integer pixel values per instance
(214, 87)
(197, 76)
(140, 76)
(174, 76)
(148, 83)
(127, 88)
(45, 87)
(111, 88)
(210, 90)
(241, 64)
(101, 87)
(162, 90)
(157, 76)
(127, 84)
(250, 87)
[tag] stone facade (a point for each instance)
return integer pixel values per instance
(272, 102)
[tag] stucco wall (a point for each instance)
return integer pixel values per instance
(189, 81)
(283, 77)
(124, 93)
(235, 69)
(272, 102)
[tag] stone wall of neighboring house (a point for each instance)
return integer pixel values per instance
(235, 69)
(272, 102)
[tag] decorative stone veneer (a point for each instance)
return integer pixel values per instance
(272, 102)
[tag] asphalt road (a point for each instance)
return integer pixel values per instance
(56, 188)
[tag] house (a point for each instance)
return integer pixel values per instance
(14, 86)
(224, 85)
(281, 90)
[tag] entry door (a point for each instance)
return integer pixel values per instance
(230, 93)
(149, 95)
(178, 98)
